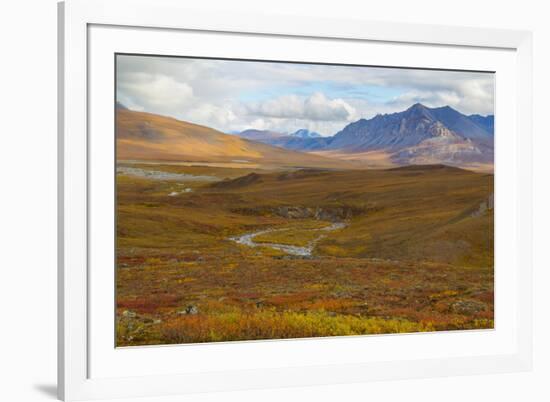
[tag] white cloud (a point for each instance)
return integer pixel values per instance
(235, 95)
(163, 94)
(215, 116)
(155, 93)
(316, 107)
(319, 107)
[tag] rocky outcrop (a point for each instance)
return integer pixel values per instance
(468, 307)
(324, 213)
(189, 310)
(331, 214)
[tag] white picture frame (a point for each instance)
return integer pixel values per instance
(76, 348)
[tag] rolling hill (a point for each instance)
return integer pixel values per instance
(146, 136)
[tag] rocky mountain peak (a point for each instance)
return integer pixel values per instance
(418, 110)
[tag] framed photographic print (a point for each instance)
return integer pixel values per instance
(263, 201)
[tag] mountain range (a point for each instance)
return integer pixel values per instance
(418, 135)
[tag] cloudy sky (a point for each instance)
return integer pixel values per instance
(236, 95)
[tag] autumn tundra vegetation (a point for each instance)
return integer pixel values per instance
(222, 238)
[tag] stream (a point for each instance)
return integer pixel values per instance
(247, 239)
(159, 175)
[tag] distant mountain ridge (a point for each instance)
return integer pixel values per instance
(264, 136)
(416, 135)
(305, 133)
(296, 141)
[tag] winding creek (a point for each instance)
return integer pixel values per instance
(247, 239)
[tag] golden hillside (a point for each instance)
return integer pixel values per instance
(147, 136)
